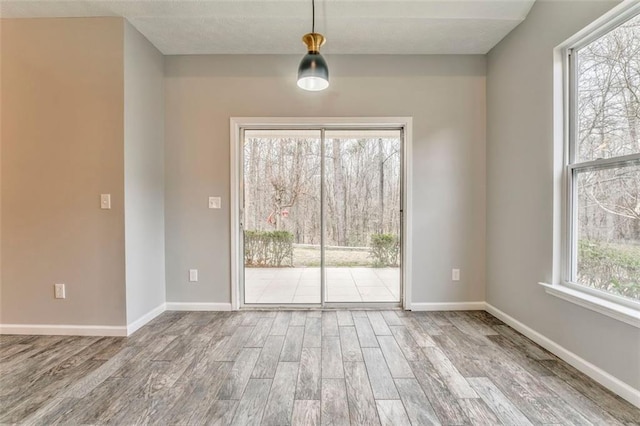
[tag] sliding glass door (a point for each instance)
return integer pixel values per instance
(321, 216)
(362, 215)
(282, 177)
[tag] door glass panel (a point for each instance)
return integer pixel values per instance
(281, 220)
(362, 215)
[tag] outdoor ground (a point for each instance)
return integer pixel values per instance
(307, 256)
(302, 285)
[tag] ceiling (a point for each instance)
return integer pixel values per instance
(276, 26)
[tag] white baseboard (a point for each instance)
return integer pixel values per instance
(140, 322)
(63, 330)
(605, 379)
(173, 306)
(454, 306)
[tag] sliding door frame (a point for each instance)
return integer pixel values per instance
(237, 127)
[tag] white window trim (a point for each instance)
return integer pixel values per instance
(599, 304)
(622, 309)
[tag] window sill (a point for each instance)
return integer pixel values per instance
(613, 310)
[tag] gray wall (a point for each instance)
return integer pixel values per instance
(62, 132)
(1, 80)
(144, 174)
(445, 95)
(520, 192)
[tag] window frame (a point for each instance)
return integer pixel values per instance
(571, 168)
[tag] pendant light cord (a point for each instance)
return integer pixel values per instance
(313, 16)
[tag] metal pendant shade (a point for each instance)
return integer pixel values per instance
(313, 72)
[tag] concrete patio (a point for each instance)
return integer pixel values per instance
(302, 285)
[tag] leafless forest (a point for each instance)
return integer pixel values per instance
(282, 187)
(608, 125)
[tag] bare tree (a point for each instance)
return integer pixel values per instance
(608, 125)
(362, 176)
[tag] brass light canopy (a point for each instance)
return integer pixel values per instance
(313, 41)
(313, 72)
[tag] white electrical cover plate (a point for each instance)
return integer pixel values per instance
(214, 202)
(105, 201)
(59, 292)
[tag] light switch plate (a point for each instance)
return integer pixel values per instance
(193, 275)
(105, 201)
(214, 202)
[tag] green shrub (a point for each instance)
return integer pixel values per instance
(255, 248)
(281, 248)
(385, 250)
(614, 268)
(268, 248)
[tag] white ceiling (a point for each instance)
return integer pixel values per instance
(276, 26)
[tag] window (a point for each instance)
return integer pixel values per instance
(603, 162)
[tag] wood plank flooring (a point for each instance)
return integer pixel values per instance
(301, 368)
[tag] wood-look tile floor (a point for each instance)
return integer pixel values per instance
(303, 368)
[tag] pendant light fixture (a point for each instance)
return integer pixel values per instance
(313, 73)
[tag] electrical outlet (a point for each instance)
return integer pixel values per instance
(58, 291)
(455, 274)
(193, 275)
